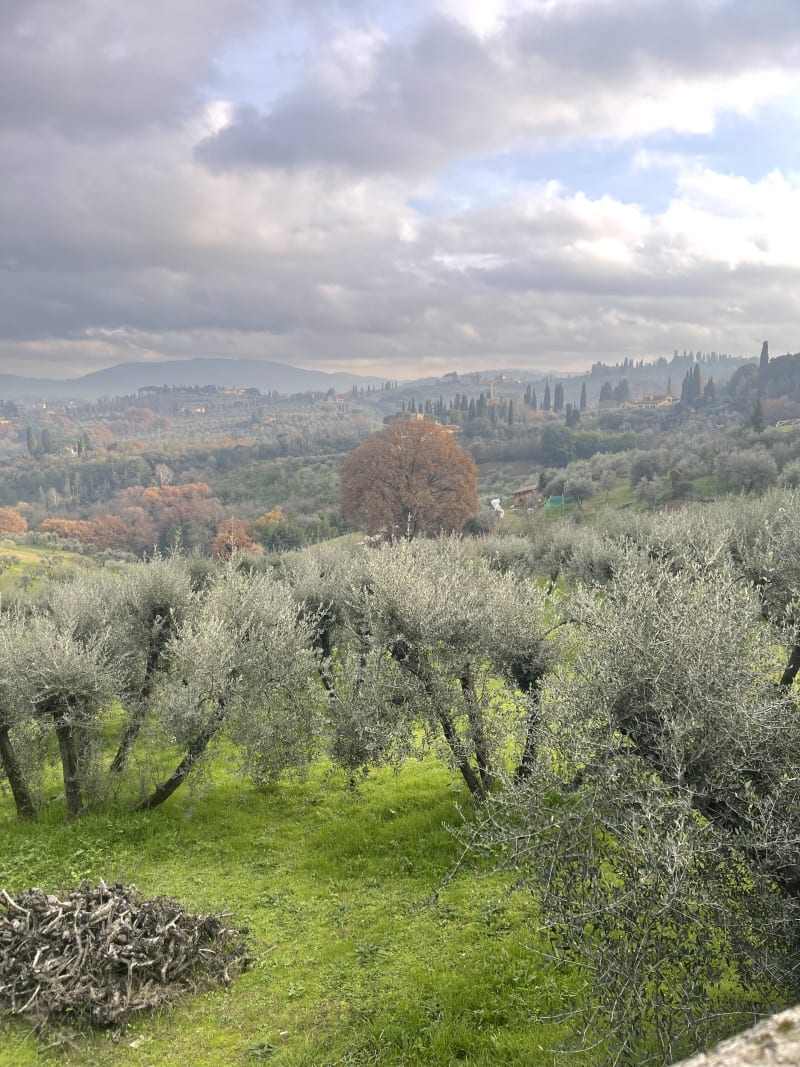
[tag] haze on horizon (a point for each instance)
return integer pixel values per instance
(342, 185)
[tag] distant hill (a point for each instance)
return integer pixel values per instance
(126, 378)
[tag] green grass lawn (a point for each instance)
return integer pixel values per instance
(358, 960)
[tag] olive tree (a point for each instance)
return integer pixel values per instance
(425, 634)
(13, 718)
(102, 655)
(66, 681)
(456, 627)
(242, 662)
(659, 824)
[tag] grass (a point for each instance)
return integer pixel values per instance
(358, 960)
(22, 565)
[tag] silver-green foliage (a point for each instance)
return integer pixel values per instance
(108, 666)
(660, 823)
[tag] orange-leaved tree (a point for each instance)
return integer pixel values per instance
(232, 536)
(411, 479)
(11, 521)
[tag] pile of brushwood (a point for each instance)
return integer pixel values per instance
(100, 955)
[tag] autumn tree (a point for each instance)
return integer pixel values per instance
(411, 479)
(11, 521)
(232, 536)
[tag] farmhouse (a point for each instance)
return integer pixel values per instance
(527, 496)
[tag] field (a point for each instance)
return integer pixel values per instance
(359, 960)
(22, 566)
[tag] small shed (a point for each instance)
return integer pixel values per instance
(527, 496)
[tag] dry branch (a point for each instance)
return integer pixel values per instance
(102, 954)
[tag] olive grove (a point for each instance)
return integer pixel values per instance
(619, 700)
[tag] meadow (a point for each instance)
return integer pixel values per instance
(366, 953)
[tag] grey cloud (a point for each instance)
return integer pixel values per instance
(114, 246)
(359, 294)
(554, 72)
(688, 37)
(440, 79)
(89, 67)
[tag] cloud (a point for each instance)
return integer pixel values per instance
(93, 67)
(316, 271)
(576, 69)
(149, 212)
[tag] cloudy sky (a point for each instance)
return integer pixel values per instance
(397, 189)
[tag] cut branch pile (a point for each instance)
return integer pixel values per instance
(102, 954)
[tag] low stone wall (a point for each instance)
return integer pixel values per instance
(772, 1043)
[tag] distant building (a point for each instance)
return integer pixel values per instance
(651, 403)
(527, 496)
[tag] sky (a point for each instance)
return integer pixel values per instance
(397, 190)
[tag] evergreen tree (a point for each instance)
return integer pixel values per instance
(48, 441)
(33, 442)
(583, 397)
(763, 362)
(510, 416)
(534, 401)
(558, 397)
(572, 415)
(546, 401)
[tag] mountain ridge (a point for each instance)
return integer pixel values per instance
(126, 378)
